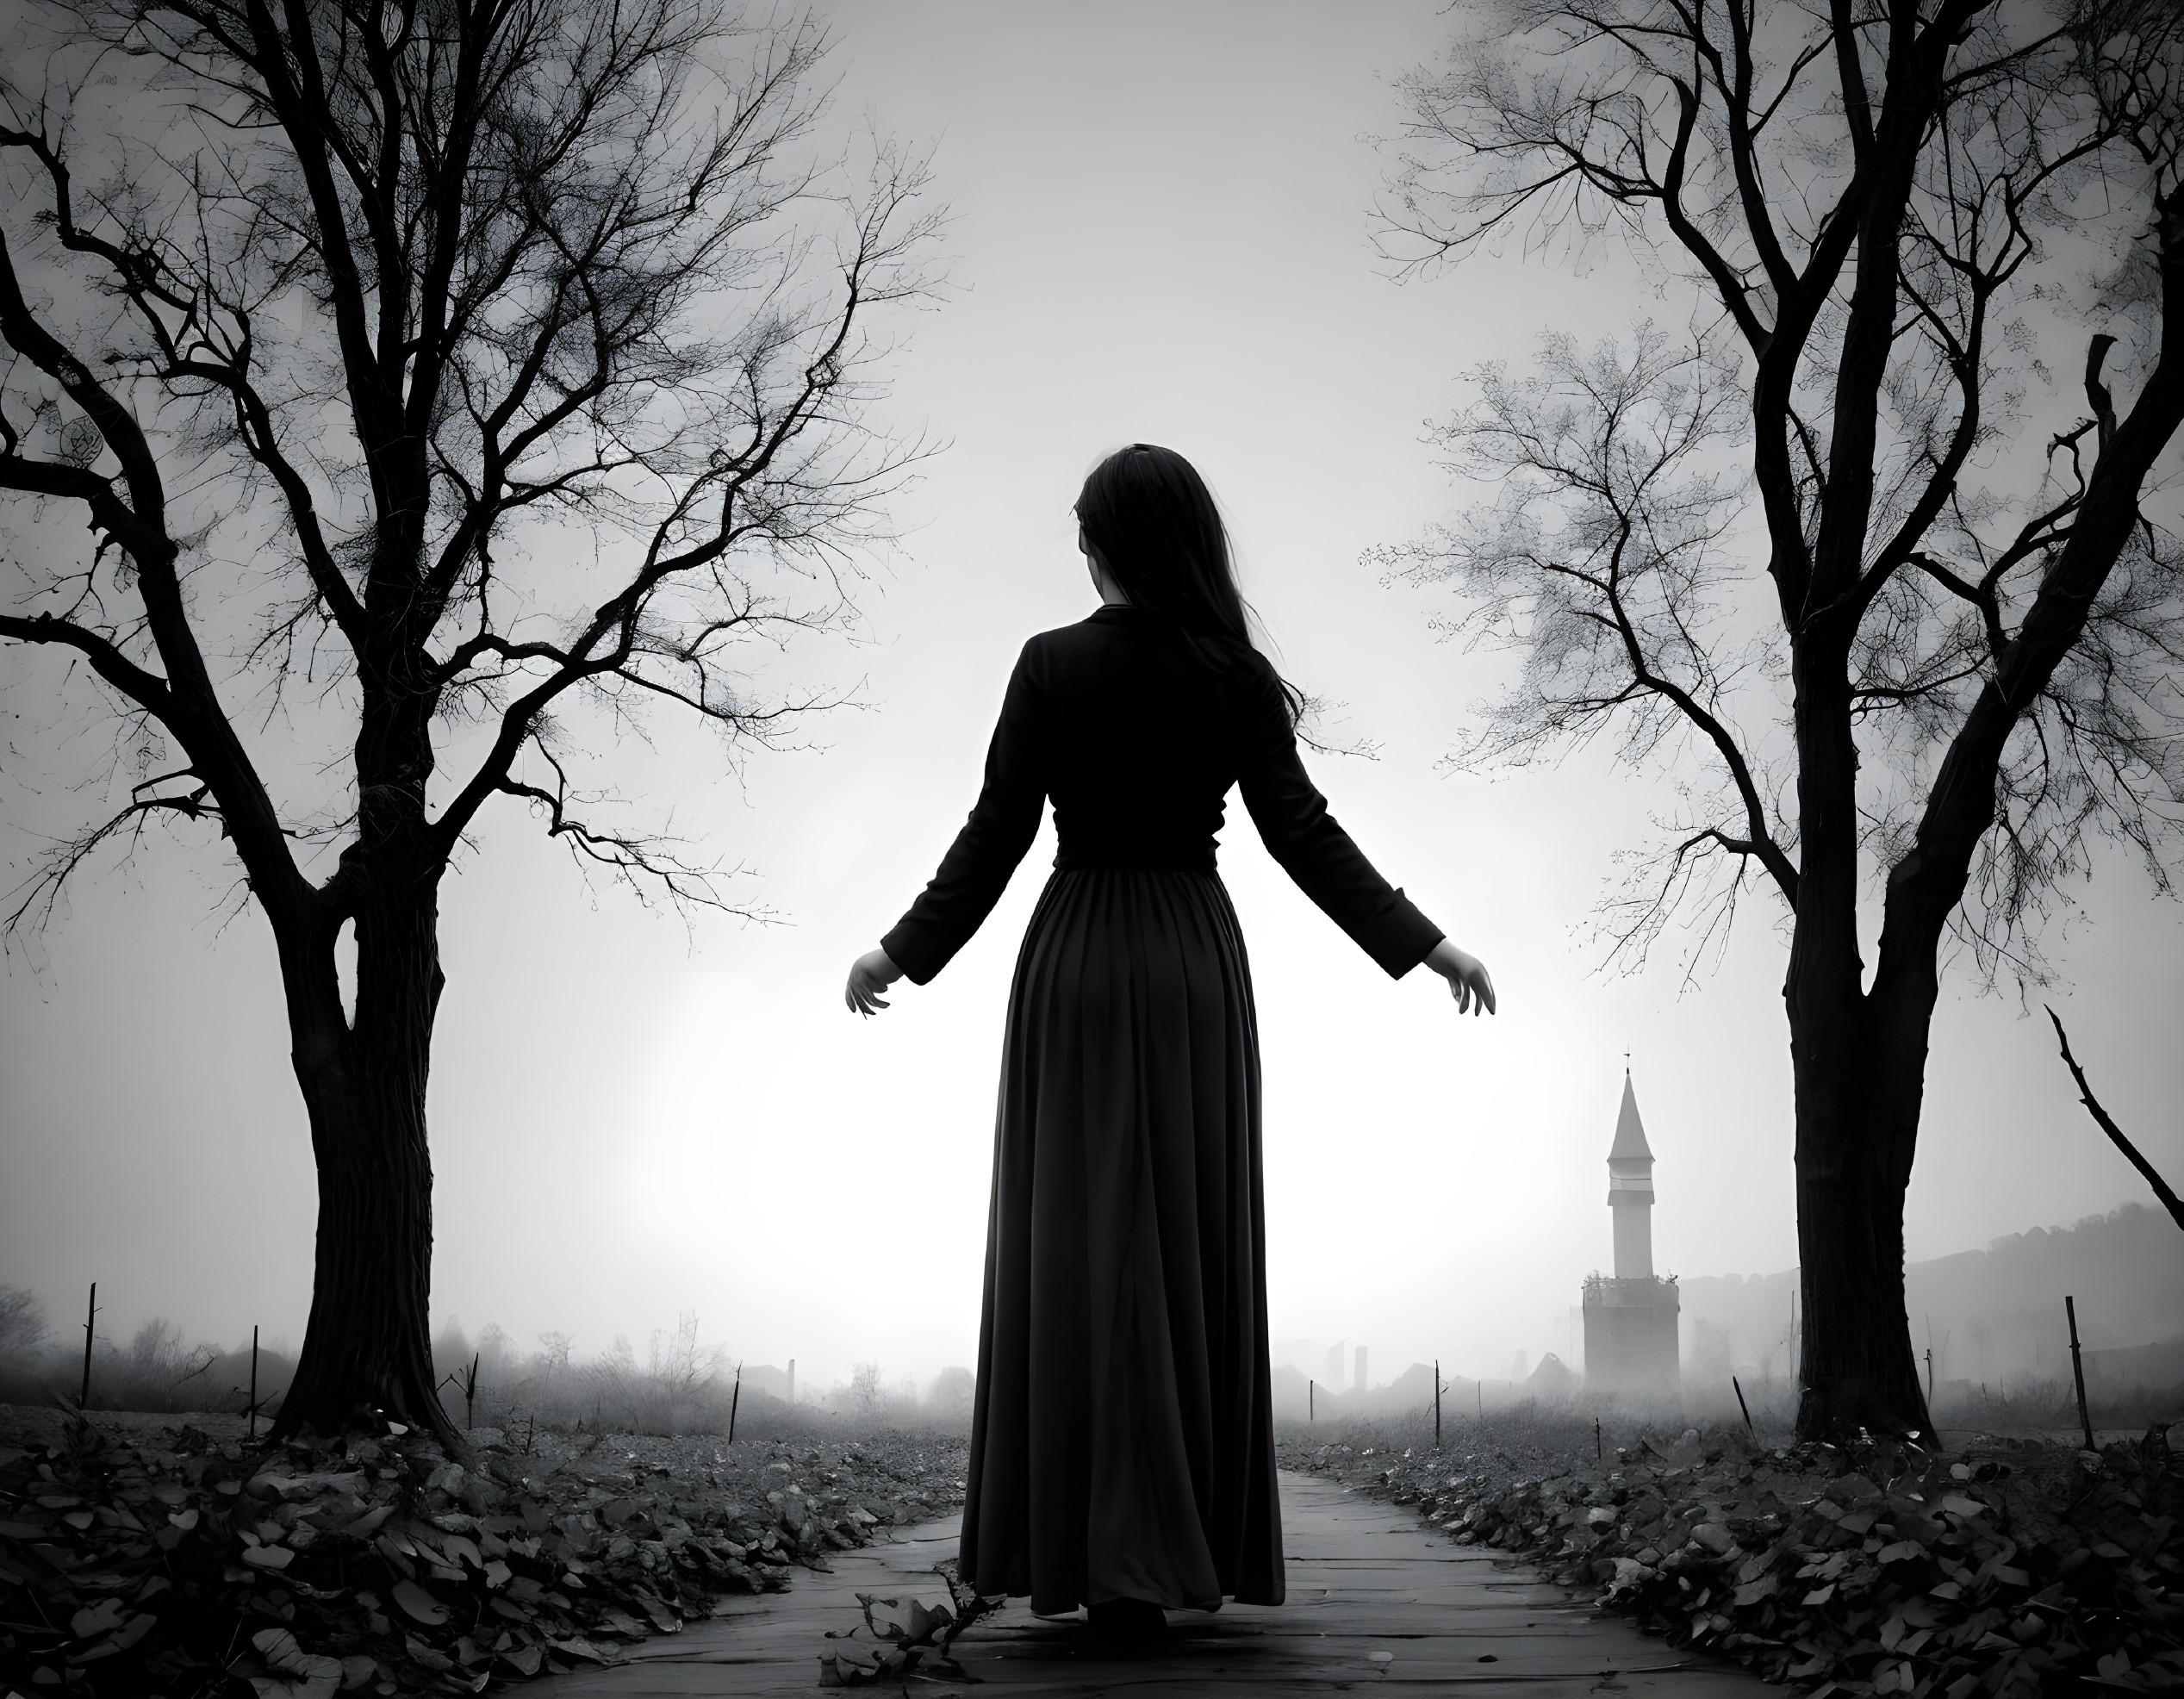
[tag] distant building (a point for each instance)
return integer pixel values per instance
(1631, 1316)
(775, 1383)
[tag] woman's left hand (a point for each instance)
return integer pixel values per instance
(1468, 981)
(870, 974)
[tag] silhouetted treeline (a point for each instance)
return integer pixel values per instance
(676, 1383)
(154, 1370)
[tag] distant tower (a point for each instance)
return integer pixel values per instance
(1360, 1381)
(1630, 1191)
(1631, 1316)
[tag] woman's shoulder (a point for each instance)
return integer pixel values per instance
(1044, 652)
(1097, 630)
(1119, 634)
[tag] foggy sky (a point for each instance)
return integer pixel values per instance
(1161, 233)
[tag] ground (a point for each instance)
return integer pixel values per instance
(151, 1556)
(2003, 1567)
(1373, 1600)
(147, 1556)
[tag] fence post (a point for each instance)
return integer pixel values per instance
(2078, 1369)
(254, 1380)
(735, 1398)
(83, 1397)
(1436, 1404)
(1311, 1401)
(1743, 1406)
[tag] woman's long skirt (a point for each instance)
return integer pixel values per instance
(1122, 1443)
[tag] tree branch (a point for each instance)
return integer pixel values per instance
(1980, 596)
(2162, 1189)
(1929, 880)
(2104, 405)
(617, 617)
(632, 859)
(42, 890)
(147, 690)
(189, 705)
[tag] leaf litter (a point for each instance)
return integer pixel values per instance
(908, 1637)
(2012, 1568)
(171, 1562)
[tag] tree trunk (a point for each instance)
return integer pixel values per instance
(367, 1352)
(1859, 1082)
(1858, 1078)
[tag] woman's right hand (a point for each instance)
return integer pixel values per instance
(1468, 981)
(870, 974)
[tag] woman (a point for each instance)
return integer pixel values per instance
(1121, 1440)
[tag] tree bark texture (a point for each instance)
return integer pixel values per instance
(1859, 1079)
(366, 1354)
(1858, 1070)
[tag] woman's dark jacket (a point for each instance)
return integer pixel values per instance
(1138, 733)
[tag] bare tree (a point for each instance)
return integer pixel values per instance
(23, 1326)
(952, 1392)
(448, 378)
(1892, 221)
(866, 1396)
(683, 1369)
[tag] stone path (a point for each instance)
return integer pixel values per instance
(1374, 1601)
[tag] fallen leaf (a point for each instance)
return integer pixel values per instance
(294, 1672)
(368, 1524)
(419, 1605)
(98, 1619)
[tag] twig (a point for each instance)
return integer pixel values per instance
(2163, 1189)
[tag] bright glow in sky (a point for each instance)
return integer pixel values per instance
(1161, 233)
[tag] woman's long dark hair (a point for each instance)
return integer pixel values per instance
(1159, 532)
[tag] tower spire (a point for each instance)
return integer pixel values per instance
(1630, 1144)
(1630, 1191)
(1631, 1316)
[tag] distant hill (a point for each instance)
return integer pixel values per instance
(1992, 1316)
